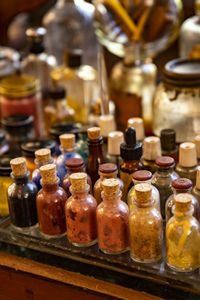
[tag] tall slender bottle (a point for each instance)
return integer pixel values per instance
(51, 201)
(22, 197)
(131, 152)
(96, 156)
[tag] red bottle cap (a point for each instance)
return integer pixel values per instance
(165, 161)
(107, 168)
(142, 175)
(182, 183)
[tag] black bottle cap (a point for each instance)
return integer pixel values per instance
(28, 148)
(57, 93)
(73, 58)
(131, 150)
(60, 128)
(5, 168)
(168, 139)
(19, 120)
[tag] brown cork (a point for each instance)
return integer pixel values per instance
(18, 166)
(182, 183)
(107, 168)
(110, 186)
(93, 133)
(165, 161)
(74, 163)
(48, 173)
(143, 192)
(67, 141)
(78, 181)
(183, 202)
(43, 155)
(142, 175)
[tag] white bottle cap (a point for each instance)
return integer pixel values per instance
(198, 178)
(187, 155)
(115, 139)
(197, 143)
(107, 124)
(138, 125)
(151, 148)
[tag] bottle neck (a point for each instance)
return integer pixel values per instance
(76, 170)
(165, 171)
(40, 164)
(107, 175)
(23, 179)
(60, 104)
(182, 215)
(143, 181)
(50, 187)
(180, 191)
(111, 200)
(80, 195)
(67, 151)
(95, 146)
(145, 204)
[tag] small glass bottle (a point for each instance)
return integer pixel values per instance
(162, 179)
(139, 177)
(68, 149)
(146, 230)
(131, 152)
(168, 143)
(106, 171)
(181, 185)
(138, 125)
(115, 139)
(106, 124)
(151, 151)
(112, 219)
(196, 188)
(197, 143)
(57, 110)
(5, 182)
(51, 201)
(182, 236)
(80, 211)
(74, 165)
(22, 197)
(43, 157)
(187, 166)
(96, 156)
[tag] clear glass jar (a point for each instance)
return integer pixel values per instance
(138, 178)
(5, 182)
(162, 179)
(182, 236)
(112, 219)
(146, 230)
(176, 100)
(181, 185)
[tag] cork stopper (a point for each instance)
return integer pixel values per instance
(43, 155)
(151, 148)
(182, 183)
(142, 175)
(115, 139)
(143, 192)
(67, 141)
(198, 178)
(197, 143)
(78, 181)
(48, 173)
(183, 202)
(93, 133)
(110, 187)
(187, 155)
(107, 168)
(106, 124)
(18, 166)
(138, 125)
(165, 161)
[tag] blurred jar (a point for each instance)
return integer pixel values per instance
(19, 94)
(176, 101)
(5, 182)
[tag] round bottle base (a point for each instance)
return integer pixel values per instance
(48, 236)
(146, 261)
(113, 252)
(182, 270)
(24, 229)
(83, 245)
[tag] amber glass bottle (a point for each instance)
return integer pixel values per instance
(96, 156)
(131, 152)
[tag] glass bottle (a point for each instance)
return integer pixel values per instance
(138, 125)
(131, 152)
(187, 166)
(162, 179)
(80, 82)
(151, 151)
(51, 201)
(179, 186)
(196, 188)
(28, 151)
(4, 145)
(106, 171)
(115, 139)
(197, 143)
(74, 165)
(22, 197)
(112, 219)
(5, 182)
(57, 110)
(139, 177)
(190, 35)
(146, 230)
(80, 211)
(168, 143)
(38, 63)
(107, 125)
(182, 236)
(43, 157)
(96, 156)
